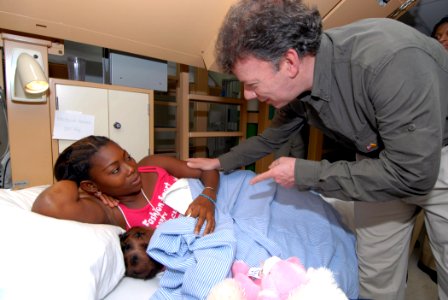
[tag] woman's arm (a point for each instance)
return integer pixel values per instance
(63, 200)
(202, 207)
(178, 168)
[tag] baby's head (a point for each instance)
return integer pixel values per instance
(133, 244)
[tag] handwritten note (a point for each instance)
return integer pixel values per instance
(72, 125)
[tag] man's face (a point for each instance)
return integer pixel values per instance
(442, 35)
(261, 80)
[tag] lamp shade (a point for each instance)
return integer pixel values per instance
(31, 75)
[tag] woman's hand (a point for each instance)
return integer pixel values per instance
(107, 200)
(204, 210)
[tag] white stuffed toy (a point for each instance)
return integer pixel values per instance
(278, 280)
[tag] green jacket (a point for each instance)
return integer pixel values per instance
(380, 88)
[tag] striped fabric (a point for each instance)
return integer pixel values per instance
(254, 222)
(193, 263)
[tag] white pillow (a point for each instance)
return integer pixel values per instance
(135, 289)
(47, 258)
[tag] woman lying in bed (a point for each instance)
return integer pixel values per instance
(100, 183)
(253, 223)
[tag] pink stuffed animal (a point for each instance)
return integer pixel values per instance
(280, 277)
(277, 280)
(250, 286)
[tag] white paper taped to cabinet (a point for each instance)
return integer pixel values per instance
(178, 196)
(72, 125)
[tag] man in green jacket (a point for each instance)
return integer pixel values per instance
(378, 87)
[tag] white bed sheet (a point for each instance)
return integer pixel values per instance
(135, 289)
(46, 258)
(25, 238)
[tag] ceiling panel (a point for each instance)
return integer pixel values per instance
(173, 30)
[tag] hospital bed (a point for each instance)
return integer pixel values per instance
(47, 258)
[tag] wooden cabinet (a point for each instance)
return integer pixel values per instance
(123, 114)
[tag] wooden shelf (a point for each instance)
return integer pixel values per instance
(215, 99)
(164, 103)
(165, 129)
(172, 78)
(184, 97)
(204, 134)
(252, 117)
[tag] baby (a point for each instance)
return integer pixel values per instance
(133, 244)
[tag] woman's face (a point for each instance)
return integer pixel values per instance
(442, 35)
(114, 171)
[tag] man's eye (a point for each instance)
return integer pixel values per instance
(115, 171)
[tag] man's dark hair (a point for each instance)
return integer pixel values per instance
(442, 21)
(266, 29)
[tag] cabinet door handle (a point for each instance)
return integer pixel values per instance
(117, 125)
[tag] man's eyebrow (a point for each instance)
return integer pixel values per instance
(251, 83)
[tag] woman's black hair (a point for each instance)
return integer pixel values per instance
(442, 21)
(74, 162)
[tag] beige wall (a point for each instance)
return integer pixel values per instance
(28, 125)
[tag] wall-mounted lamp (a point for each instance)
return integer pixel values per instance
(30, 83)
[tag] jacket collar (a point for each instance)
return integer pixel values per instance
(323, 70)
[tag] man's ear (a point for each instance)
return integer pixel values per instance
(88, 186)
(291, 61)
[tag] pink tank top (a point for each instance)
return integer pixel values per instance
(155, 212)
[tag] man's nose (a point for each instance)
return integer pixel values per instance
(249, 95)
